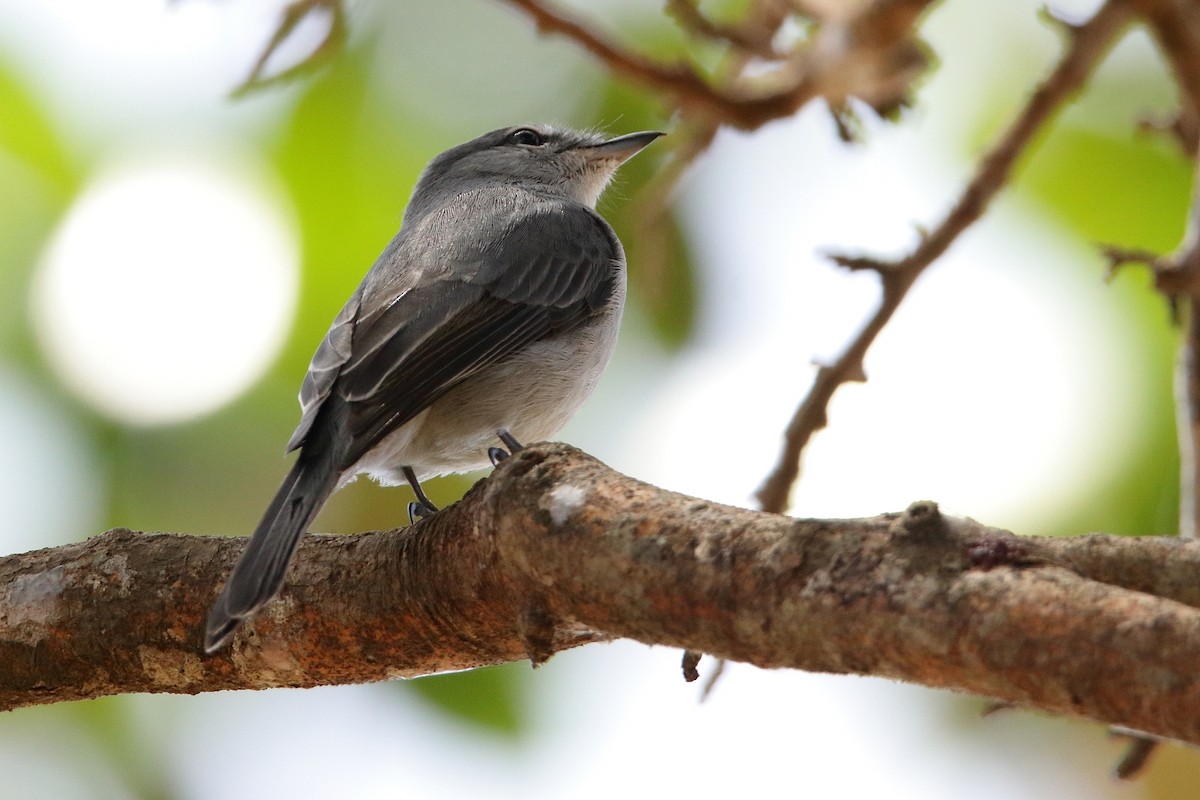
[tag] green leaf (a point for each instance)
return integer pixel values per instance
(27, 133)
(1131, 191)
(493, 698)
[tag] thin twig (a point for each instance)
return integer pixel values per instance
(691, 660)
(746, 36)
(330, 44)
(1087, 45)
(1186, 263)
(766, 17)
(1176, 27)
(1137, 754)
(873, 56)
(1177, 278)
(1187, 413)
(679, 80)
(714, 676)
(692, 137)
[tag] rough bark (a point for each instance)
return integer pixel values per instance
(555, 550)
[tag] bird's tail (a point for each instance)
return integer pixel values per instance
(259, 572)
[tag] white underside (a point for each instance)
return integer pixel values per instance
(531, 395)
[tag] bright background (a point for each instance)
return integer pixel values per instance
(169, 259)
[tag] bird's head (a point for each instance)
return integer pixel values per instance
(543, 158)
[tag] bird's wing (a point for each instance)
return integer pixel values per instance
(327, 362)
(383, 365)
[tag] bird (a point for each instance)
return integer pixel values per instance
(486, 321)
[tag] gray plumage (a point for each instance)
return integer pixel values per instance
(492, 312)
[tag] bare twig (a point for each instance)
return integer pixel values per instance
(1177, 278)
(1136, 757)
(678, 80)
(1187, 414)
(691, 660)
(1087, 45)
(873, 56)
(1175, 25)
(690, 139)
(748, 37)
(330, 44)
(713, 677)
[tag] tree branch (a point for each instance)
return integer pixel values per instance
(873, 55)
(1176, 27)
(555, 550)
(330, 45)
(1088, 44)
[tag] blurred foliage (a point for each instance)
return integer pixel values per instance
(210, 475)
(109, 722)
(1129, 189)
(27, 135)
(40, 179)
(662, 274)
(1174, 773)
(349, 170)
(666, 294)
(494, 698)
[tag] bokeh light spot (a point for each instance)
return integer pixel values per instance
(168, 288)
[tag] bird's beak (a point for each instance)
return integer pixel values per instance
(622, 148)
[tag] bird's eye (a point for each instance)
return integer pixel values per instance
(526, 136)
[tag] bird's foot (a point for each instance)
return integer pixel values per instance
(418, 510)
(498, 454)
(422, 507)
(510, 441)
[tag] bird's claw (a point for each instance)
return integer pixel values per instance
(418, 510)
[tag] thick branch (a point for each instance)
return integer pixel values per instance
(555, 550)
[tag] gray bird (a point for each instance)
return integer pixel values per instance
(489, 316)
